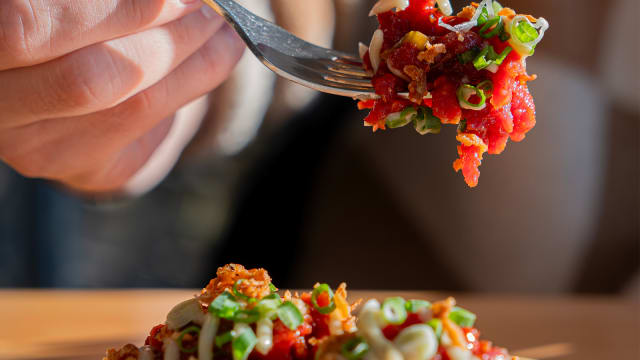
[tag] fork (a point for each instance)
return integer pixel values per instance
(318, 68)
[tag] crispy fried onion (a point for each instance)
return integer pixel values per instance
(255, 284)
(431, 52)
(127, 352)
(418, 85)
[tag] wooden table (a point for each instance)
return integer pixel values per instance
(82, 324)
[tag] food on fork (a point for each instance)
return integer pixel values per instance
(240, 315)
(467, 69)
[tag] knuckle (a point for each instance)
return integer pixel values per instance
(18, 29)
(84, 82)
(141, 14)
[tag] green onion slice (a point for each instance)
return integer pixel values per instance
(496, 7)
(462, 317)
(289, 314)
(243, 343)
(484, 16)
(426, 122)
(492, 28)
(224, 306)
(400, 119)
(322, 288)
(224, 338)
(486, 86)
(268, 304)
(436, 325)
(488, 56)
(525, 32)
(246, 316)
(355, 348)
(272, 287)
(394, 311)
(239, 294)
(415, 305)
(465, 91)
(526, 35)
(189, 330)
(467, 56)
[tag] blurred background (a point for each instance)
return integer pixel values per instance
(291, 181)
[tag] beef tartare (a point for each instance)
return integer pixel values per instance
(240, 315)
(431, 67)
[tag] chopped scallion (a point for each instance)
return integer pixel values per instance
(224, 338)
(289, 314)
(246, 316)
(465, 91)
(355, 348)
(489, 56)
(268, 304)
(467, 56)
(462, 317)
(243, 342)
(486, 86)
(524, 32)
(323, 288)
(415, 305)
(492, 28)
(426, 122)
(496, 7)
(189, 330)
(436, 325)
(272, 287)
(224, 306)
(393, 310)
(484, 16)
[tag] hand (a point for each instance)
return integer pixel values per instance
(88, 88)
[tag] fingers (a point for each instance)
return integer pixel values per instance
(102, 75)
(35, 31)
(116, 173)
(76, 149)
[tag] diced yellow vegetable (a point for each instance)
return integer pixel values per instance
(417, 38)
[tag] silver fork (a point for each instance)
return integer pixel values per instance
(322, 69)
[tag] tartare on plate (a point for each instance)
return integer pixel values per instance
(241, 315)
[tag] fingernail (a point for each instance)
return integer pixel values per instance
(208, 12)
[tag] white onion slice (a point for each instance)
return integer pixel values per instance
(417, 342)
(207, 337)
(397, 72)
(369, 328)
(264, 333)
(146, 353)
(374, 49)
(171, 350)
(184, 313)
(362, 50)
(386, 5)
(493, 68)
(445, 7)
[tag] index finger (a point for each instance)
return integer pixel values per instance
(36, 31)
